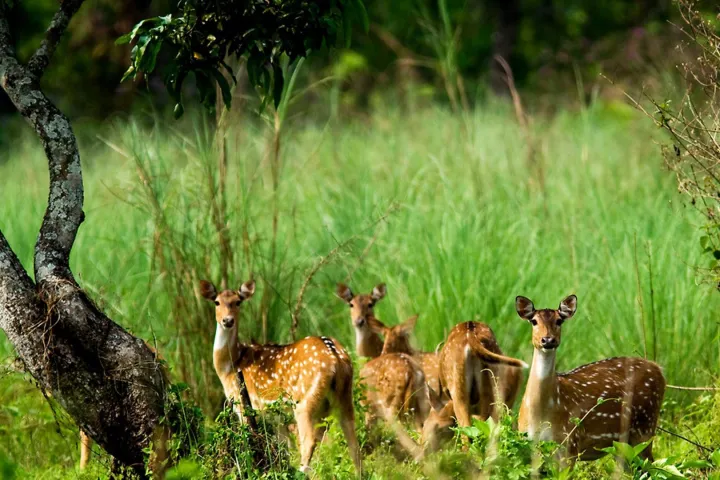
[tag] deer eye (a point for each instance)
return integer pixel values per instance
(533, 322)
(371, 304)
(217, 303)
(560, 322)
(237, 303)
(352, 305)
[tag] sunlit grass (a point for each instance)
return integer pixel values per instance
(467, 227)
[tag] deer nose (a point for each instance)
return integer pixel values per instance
(228, 322)
(549, 342)
(359, 322)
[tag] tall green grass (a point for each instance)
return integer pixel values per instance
(441, 207)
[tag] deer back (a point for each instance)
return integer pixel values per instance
(299, 371)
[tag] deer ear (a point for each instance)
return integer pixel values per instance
(344, 292)
(567, 307)
(379, 292)
(377, 326)
(436, 400)
(409, 325)
(524, 307)
(247, 289)
(207, 290)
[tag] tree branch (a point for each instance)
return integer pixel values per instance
(17, 301)
(64, 212)
(64, 340)
(41, 58)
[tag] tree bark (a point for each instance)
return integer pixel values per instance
(109, 381)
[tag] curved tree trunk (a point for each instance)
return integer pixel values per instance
(109, 381)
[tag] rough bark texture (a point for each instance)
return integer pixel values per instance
(109, 381)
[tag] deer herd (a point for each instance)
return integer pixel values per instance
(583, 410)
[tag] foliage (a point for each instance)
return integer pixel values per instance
(641, 468)
(186, 422)
(469, 235)
(507, 453)
(693, 152)
(202, 35)
(234, 451)
(563, 39)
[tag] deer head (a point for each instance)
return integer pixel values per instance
(361, 306)
(227, 302)
(546, 323)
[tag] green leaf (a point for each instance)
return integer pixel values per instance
(224, 87)
(715, 458)
(347, 29)
(704, 240)
(206, 89)
(149, 58)
(640, 447)
(130, 72)
(122, 40)
(625, 451)
(471, 432)
(178, 110)
(278, 85)
(362, 11)
(696, 464)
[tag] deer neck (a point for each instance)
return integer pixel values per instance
(367, 342)
(225, 349)
(540, 398)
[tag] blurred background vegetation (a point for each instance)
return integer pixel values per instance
(551, 46)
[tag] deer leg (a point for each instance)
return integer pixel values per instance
(85, 446)
(306, 438)
(346, 418)
(460, 394)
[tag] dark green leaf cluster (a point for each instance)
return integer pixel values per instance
(202, 35)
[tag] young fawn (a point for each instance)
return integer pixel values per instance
(395, 380)
(476, 376)
(632, 388)
(397, 340)
(316, 373)
(368, 330)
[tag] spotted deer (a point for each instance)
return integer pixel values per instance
(368, 330)
(397, 340)
(396, 390)
(632, 390)
(315, 373)
(367, 342)
(475, 376)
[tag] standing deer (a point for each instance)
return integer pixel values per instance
(475, 375)
(367, 342)
(632, 388)
(315, 372)
(368, 330)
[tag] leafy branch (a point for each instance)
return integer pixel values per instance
(204, 34)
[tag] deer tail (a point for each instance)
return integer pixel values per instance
(492, 357)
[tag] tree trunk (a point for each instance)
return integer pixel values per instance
(109, 381)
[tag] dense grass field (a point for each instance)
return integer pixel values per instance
(457, 214)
